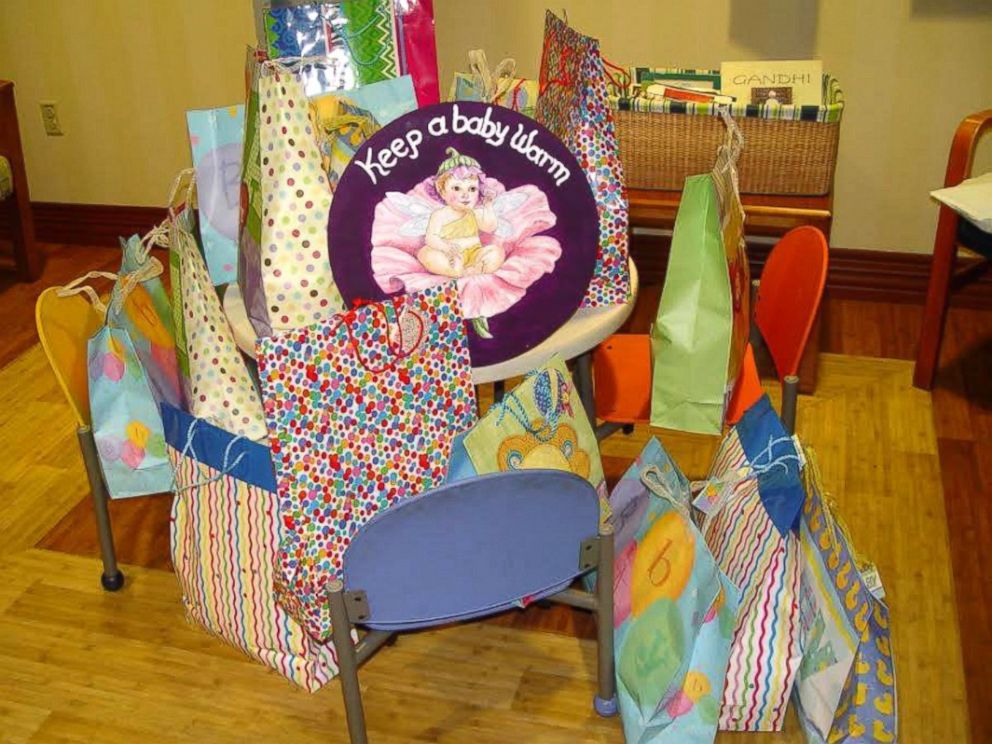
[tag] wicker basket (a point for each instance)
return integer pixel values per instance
(787, 149)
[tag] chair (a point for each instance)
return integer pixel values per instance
(15, 200)
(64, 326)
(951, 232)
(468, 550)
(784, 308)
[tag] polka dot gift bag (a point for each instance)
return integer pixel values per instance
(573, 104)
(217, 383)
(362, 410)
(295, 271)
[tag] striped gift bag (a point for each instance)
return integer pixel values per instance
(225, 533)
(752, 502)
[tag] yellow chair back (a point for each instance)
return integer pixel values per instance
(65, 324)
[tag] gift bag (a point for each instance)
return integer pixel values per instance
(384, 101)
(701, 327)
(361, 412)
(539, 424)
(216, 138)
(752, 502)
(147, 316)
(497, 86)
(219, 387)
(864, 699)
(295, 270)
(674, 610)
(126, 385)
(827, 637)
(250, 220)
(364, 41)
(225, 531)
(573, 105)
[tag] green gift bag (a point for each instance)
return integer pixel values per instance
(701, 327)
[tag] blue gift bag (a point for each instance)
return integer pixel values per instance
(217, 138)
(674, 610)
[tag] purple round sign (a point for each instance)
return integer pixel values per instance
(474, 193)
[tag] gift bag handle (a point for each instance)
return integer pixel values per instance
(652, 478)
(76, 286)
(495, 83)
(398, 352)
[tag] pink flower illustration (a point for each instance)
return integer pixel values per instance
(466, 226)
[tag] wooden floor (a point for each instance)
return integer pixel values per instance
(911, 474)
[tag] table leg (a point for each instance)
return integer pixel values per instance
(583, 382)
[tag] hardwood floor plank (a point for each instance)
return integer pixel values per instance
(889, 456)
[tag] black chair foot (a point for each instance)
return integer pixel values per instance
(628, 428)
(112, 583)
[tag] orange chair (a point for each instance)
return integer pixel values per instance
(786, 301)
(64, 326)
(951, 232)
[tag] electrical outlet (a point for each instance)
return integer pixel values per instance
(50, 118)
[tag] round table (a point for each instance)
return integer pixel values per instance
(582, 333)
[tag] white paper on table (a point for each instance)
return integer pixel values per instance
(972, 199)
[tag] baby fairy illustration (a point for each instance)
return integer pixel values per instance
(461, 224)
(453, 244)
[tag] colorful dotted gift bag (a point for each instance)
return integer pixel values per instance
(674, 609)
(362, 410)
(865, 708)
(219, 387)
(296, 277)
(752, 502)
(131, 365)
(573, 104)
(225, 532)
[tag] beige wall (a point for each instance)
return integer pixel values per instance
(125, 71)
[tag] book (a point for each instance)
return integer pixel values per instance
(795, 82)
(678, 93)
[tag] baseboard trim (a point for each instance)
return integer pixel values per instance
(855, 273)
(881, 276)
(92, 224)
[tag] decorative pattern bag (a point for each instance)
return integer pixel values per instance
(364, 42)
(132, 368)
(216, 138)
(225, 532)
(574, 105)
(250, 221)
(752, 502)
(867, 707)
(362, 410)
(296, 272)
(496, 86)
(674, 609)
(701, 327)
(220, 388)
(539, 424)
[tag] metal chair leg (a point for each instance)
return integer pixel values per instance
(499, 389)
(347, 664)
(112, 579)
(790, 396)
(605, 701)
